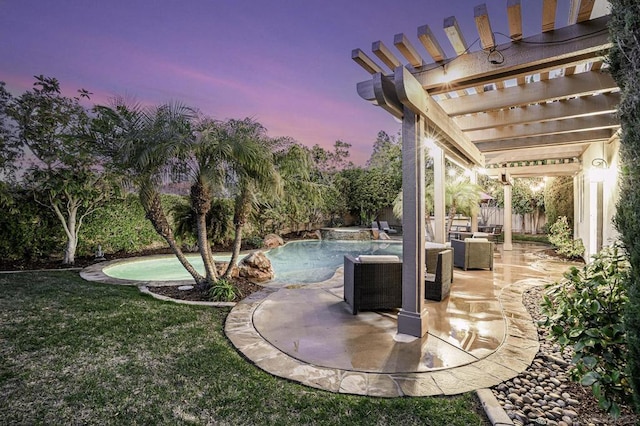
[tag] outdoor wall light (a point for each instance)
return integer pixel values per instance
(599, 171)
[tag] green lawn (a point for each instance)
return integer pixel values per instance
(79, 352)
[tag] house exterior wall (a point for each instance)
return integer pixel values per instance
(596, 193)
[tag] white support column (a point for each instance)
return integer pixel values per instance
(412, 318)
(474, 213)
(507, 218)
(439, 208)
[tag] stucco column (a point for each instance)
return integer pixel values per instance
(507, 218)
(412, 318)
(474, 213)
(439, 208)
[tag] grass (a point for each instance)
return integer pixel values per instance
(79, 352)
(533, 238)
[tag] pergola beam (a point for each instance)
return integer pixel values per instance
(481, 16)
(580, 124)
(558, 88)
(570, 108)
(365, 62)
(514, 15)
(541, 170)
(405, 47)
(563, 47)
(452, 29)
(430, 43)
(385, 55)
(549, 15)
(412, 96)
(545, 141)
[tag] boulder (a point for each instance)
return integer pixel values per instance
(312, 235)
(256, 267)
(272, 240)
(221, 267)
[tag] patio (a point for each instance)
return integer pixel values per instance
(478, 337)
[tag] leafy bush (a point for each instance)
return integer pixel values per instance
(224, 291)
(561, 237)
(219, 222)
(28, 230)
(120, 226)
(558, 199)
(252, 242)
(585, 310)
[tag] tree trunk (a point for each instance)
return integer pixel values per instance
(201, 203)
(237, 243)
(156, 215)
(205, 251)
(240, 218)
(69, 225)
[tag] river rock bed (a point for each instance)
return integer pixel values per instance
(544, 394)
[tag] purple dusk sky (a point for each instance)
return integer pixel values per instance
(286, 63)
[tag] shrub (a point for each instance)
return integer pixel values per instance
(219, 222)
(585, 311)
(28, 230)
(561, 237)
(224, 291)
(120, 226)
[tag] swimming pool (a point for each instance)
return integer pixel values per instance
(302, 262)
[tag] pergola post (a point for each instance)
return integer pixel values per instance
(474, 213)
(412, 318)
(507, 218)
(439, 208)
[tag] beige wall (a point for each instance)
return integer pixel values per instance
(589, 207)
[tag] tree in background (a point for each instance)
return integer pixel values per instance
(528, 198)
(624, 61)
(65, 174)
(387, 155)
(9, 146)
(558, 199)
(303, 193)
(461, 196)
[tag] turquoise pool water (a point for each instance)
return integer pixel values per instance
(296, 262)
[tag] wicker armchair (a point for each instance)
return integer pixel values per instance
(432, 259)
(372, 282)
(473, 253)
(437, 286)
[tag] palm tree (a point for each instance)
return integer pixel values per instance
(250, 172)
(460, 196)
(143, 144)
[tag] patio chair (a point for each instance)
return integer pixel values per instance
(473, 253)
(372, 282)
(497, 233)
(437, 286)
(385, 227)
(431, 257)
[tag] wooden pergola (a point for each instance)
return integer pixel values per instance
(529, 107)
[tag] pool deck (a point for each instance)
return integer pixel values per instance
(480, 336)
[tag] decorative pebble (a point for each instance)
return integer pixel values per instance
(538, 396)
